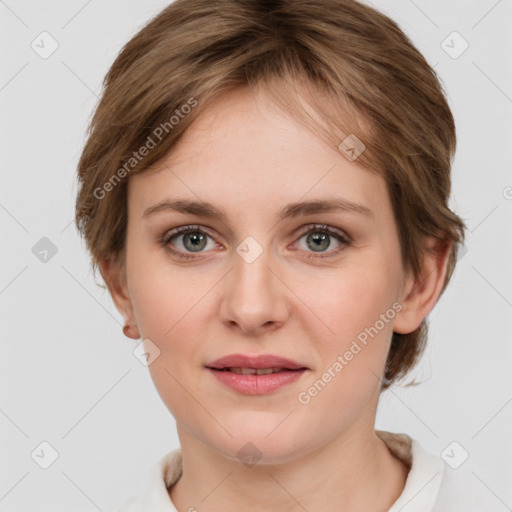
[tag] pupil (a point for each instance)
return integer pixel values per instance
(196, 239)
(319, 240)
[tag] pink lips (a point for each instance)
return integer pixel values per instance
(228, 370)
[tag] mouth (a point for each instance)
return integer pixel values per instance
(256, 375)
(256, 371)
(247, 364)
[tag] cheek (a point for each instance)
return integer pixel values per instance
(163, 298)
(354, 300)
(169, 313)
(358, 308)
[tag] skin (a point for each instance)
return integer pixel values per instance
(244, 155)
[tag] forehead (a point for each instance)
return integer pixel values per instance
(244, 150)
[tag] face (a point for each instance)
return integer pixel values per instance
(294, 283)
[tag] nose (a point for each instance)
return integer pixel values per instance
(255, 300)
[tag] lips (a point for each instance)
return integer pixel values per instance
(256, 375)
(255, 371)
(249, 364)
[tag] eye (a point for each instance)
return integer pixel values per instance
(319, 238)
(192, 239)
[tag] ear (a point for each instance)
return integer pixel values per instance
(114, 275)
(420, 294)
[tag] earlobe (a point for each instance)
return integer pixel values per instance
(114, 276)
(420, 294)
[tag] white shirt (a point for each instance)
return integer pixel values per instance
(431, 485)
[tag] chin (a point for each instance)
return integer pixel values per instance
(252, 446)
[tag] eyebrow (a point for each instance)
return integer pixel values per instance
(292, 210)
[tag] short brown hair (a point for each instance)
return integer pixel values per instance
(358, 71)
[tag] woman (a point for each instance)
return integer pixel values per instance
(264, 190)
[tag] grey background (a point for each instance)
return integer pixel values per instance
(68, 375)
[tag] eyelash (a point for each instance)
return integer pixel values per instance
(345, 240)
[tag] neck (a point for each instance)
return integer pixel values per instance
(355, 471)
